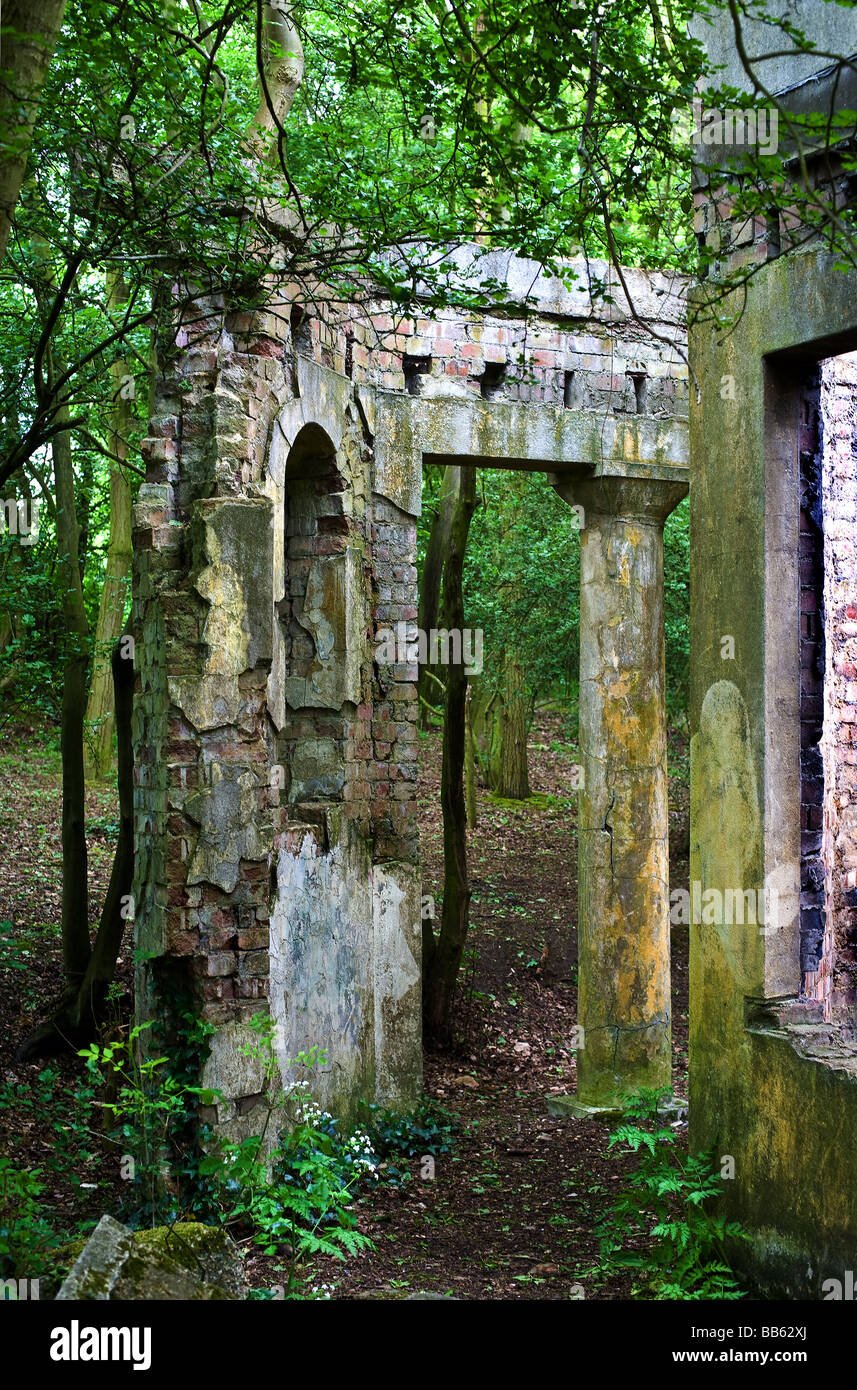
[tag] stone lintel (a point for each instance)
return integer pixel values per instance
(511, 434)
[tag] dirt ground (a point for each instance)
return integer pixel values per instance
(513, 1212)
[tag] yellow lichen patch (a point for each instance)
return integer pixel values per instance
(622, 723)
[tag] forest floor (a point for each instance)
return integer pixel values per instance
(512, 1212)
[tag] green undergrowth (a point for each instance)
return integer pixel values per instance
(287, 1192)
(665, 1226)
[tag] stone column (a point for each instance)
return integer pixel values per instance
(623, 875)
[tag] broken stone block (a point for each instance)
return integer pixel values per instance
(188, 1261)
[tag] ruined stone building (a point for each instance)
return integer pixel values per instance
(278, 862)
(277, 838)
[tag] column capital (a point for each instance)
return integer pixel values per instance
(648, 500)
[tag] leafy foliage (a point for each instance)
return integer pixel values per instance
(297, 1199)
(28, 1232)
(25, 1233)
(290, 1187)
(522, 581)
(669, 1202)
(429, 1130)
(142, 1102)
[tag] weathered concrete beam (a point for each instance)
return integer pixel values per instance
(623, 879)
(509, 434)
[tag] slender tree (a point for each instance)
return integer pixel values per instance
(443, 953)
(117, 578)
(514, 778)
(432, 575)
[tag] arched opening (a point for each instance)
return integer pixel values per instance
(322, 981)
(319, 654)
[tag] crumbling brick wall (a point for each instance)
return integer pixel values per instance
(839, 417)
(827, 437)
(204, 811)
(814, 961)
(568, 346)
(261, 770)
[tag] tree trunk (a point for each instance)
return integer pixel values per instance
(117, 578)
(87, 970)
(27, 38)
(485, 712)
(9, 625)
(82, 1008)
(514, 775)
(75, 888)
(445, 950)
(88, 1009)
(470, 763)
(436, 552)
(75, 895)
(280, 71)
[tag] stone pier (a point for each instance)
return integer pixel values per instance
(623, 846)
(773, 709)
